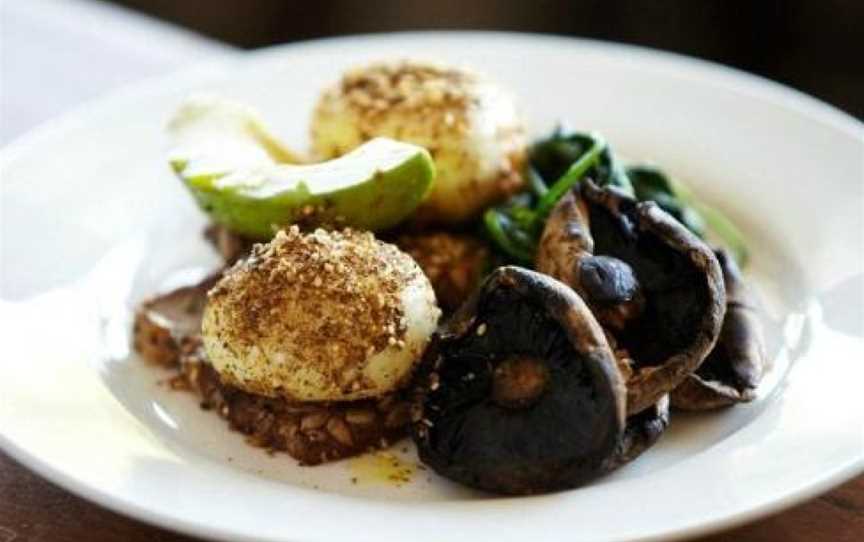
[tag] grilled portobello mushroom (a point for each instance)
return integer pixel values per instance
(732, 371)
(520, 392)
(655, 287)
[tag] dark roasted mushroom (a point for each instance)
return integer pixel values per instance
(642, 431)
(231, 246)
(519, 392)
(655, 287)
(732, 371)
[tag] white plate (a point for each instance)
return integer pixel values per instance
(92, 220)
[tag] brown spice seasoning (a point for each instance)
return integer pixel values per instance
(328, 298)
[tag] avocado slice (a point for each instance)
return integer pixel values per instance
(235, 171)
(229, 133)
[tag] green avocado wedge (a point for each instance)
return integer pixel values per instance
(240, 184)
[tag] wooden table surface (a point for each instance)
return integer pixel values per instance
(35, 510)
(53, 36)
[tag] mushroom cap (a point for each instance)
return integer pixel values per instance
(643, 430)
(733, 369)
(519, 392)
(670, 321)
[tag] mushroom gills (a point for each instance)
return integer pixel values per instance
(733, 370)
(655, 287)
(675, 298)
(643, 430)
(519, 392)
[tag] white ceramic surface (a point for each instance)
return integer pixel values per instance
(92, 221)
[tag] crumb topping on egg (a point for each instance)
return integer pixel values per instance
(435, 91)
(470, 126)
(306, 316)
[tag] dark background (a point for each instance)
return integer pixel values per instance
(816, 46)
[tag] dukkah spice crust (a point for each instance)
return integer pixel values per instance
(311, 432)
(304, 316)
(470, 126)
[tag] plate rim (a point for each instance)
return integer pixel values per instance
(718, 74)
(789, 96)
(133, 509)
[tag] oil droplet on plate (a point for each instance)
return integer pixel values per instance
(381, 468)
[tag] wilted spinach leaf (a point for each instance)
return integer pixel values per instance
(651, 184)
(560, 161)
(555, 165)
